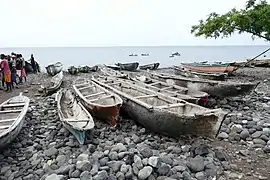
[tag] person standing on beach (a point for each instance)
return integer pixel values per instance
(13, 71)
(2, 79)
(23, 73)
(33, 63)
(7, 72)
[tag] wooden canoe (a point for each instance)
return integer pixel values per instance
(12, 115)
(128, 66)
(164, 114)
(114, 67)
(110, 72)
(208, 68)
(192, 74)
(152, 66)
(73, 115)
(53, 69)
(73, 70)
(54, 85)
(214, 88)
(101, 103)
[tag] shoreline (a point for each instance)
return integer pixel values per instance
(44, 148)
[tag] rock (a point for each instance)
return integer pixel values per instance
(179, 168)
(94, 170)
(124, 168)
(119, 147)
(52, 177)
(220, 155)
(244, 134)
(115, 165)
(102, 175)
(29, 177)
(138, 162)
(85, 175)
(223, 135)
(244, 152)
(266, 149)
(200, 176)
(145, 172)
(259, 141)
(83, 157)
(257, 134)
(51, 152)
(76, 174)
(120, 176)
(196, 164)
(164, 169)
(186, 176)
(64, 169)
(83, 165)
(154, 161)
(61, 160)
(146, 152)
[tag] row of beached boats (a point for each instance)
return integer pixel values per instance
(164, 103)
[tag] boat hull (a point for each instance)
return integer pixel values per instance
(56, 84)
(191, 74)
(153, 66)
(210, 69)
(73, 70)
(53, 69)
(128, 66)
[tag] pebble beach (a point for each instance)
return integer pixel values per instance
(45, 150)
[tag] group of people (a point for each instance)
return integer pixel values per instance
(11, 67)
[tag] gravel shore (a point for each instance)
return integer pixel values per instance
(45, 150)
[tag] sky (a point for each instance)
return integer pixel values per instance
(28, 23)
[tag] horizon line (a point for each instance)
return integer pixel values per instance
(127, 46)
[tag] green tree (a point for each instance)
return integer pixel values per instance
(253, 19)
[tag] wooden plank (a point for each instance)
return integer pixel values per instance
(166, 88)
(78, 120)
(116, 83)
(11, 111)
(90, 95)
(171, 106)
(4, 127)
(13, 105)
(104, 97)
(7, 120)
(146, 96)
(82, 84)
(154, 83)
(86, 87)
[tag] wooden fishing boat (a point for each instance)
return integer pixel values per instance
(101, 103)
(164, 114)
(93, 69)
(73, 70)
(152, 66)
(128, 66)
(83, 69)
(53, 69)
(114, 67)
(209, 68)
(215, 88)
(192, 74)
(12, 115)
(54, 85)
(110, 72)
(73, 115)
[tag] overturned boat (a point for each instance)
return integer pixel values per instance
(73, 70)
(162, 113)
(128, 66)
(54, 84)
(191, 74)
(55, 68)
(152, 66)
(214, 88)
(101, 103)
(73, 115)
(12, 115)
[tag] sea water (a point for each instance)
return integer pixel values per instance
(109, 55)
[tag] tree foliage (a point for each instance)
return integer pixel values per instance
(253, 19)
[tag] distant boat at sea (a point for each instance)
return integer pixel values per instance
(144, 54)
(133, 55)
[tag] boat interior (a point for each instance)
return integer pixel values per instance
(96, 94)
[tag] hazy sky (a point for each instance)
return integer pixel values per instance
(110, 22)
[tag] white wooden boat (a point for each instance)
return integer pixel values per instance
(73, 115)
(53, 69)
(101, 103)
(54, 85)
(12, 114)
(164, 114)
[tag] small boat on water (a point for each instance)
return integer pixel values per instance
(73, 70)
(133, 55)
(73, 115)
(54, 85)
(128, 66)
(144, 54)
(193, 74)
(176, 54)
(53, 69)
(12, 115)
(101, 103)
(210, 68)
(164, 114)
(215, 88)
(152, 66)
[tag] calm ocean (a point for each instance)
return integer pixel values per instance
(109, 55)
